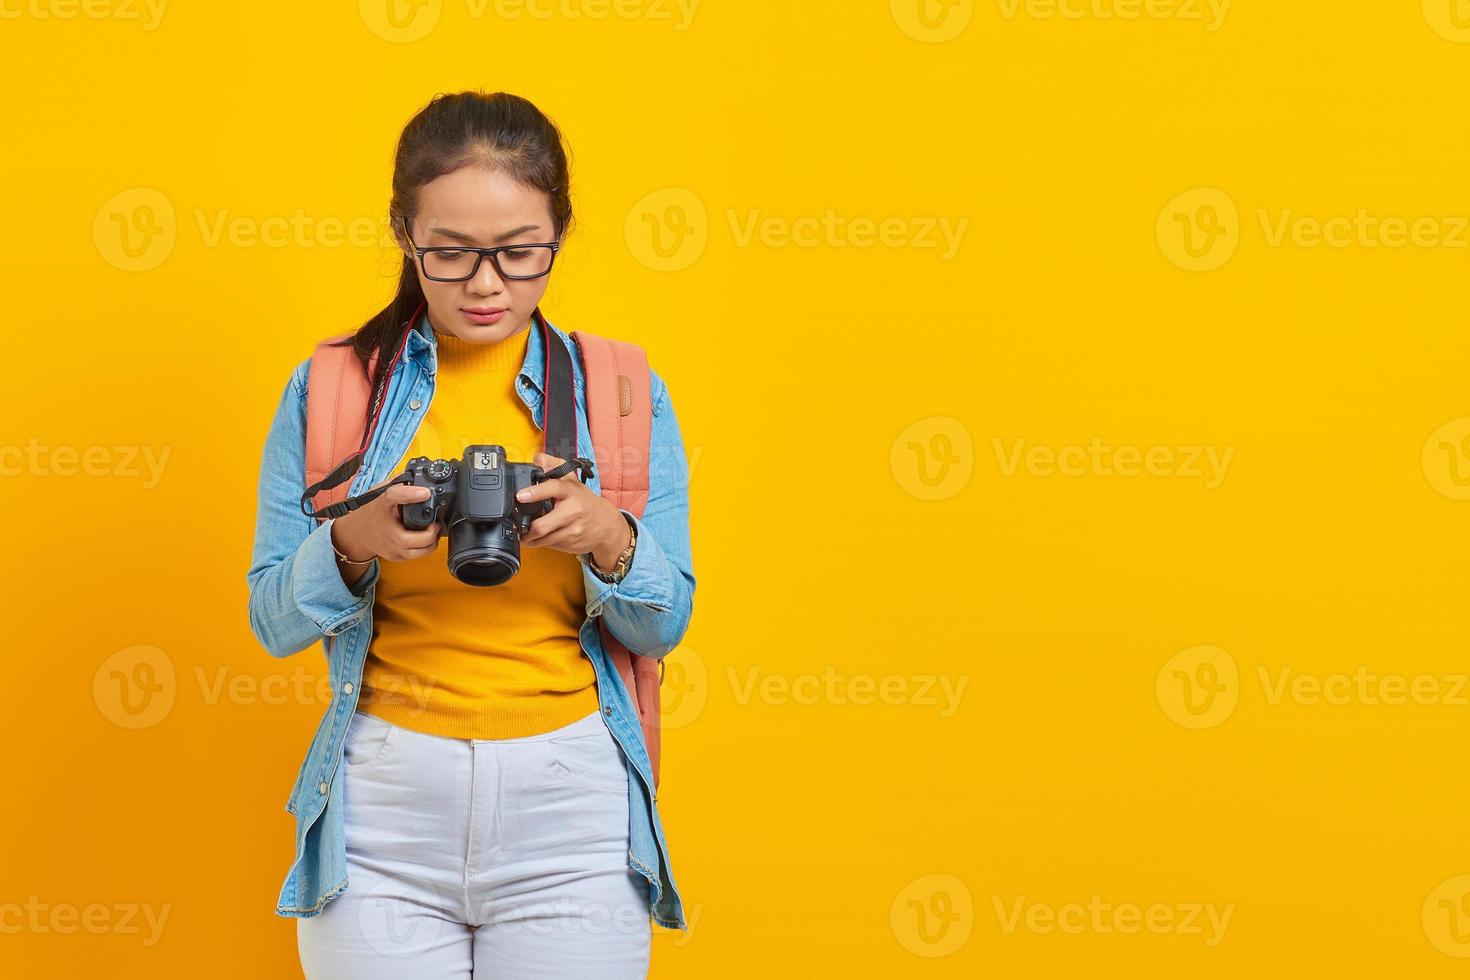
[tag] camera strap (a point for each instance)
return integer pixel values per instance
(340, 373)
(559, 434)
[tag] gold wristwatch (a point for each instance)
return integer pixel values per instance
(624, 560)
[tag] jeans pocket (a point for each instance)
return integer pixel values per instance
(367, 741)
(590, 760)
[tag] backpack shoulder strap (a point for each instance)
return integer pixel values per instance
(619, 417)
(337, 396)
(620, 422)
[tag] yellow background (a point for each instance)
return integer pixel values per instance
(850, 407)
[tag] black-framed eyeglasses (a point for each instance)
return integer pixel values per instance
(456, 263)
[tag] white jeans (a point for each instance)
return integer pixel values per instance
(503, 858)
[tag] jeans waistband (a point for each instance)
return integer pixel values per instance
(586, 725)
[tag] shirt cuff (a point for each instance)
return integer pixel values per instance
(317, 584)
(647, 581)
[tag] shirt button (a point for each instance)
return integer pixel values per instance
(414, 405)
(347, 688)
(323, 789)
(607, 710)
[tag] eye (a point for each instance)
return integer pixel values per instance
(450, 254)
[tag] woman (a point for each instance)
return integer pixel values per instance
(493, 811)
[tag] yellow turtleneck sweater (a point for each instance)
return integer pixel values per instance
(466, 661)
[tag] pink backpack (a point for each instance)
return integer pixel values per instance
(619, 414)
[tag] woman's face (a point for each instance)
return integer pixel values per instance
(482, 208)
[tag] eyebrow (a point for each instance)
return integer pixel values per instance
(460, 236)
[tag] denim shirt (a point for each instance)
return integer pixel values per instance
(297, 597)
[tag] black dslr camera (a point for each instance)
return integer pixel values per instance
(475, 499)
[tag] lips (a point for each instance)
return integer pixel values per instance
(483, 310)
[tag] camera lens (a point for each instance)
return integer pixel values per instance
(483, 552)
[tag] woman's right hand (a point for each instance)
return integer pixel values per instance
(376, 528)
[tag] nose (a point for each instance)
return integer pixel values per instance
(486, 281)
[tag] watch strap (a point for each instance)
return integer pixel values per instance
(625, 559)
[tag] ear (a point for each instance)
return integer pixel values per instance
(399, 237)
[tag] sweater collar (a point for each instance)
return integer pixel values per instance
(422, 346)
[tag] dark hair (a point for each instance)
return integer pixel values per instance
(498, 130)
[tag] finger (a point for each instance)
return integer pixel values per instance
(577, 537)
(549, 463)
(561, 539)
(410, 554)
(545, 490)
(402, 493)
(547, 524)
(408, 540)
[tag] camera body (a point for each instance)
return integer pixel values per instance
(474, 499)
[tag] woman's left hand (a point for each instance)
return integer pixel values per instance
(580, 521)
